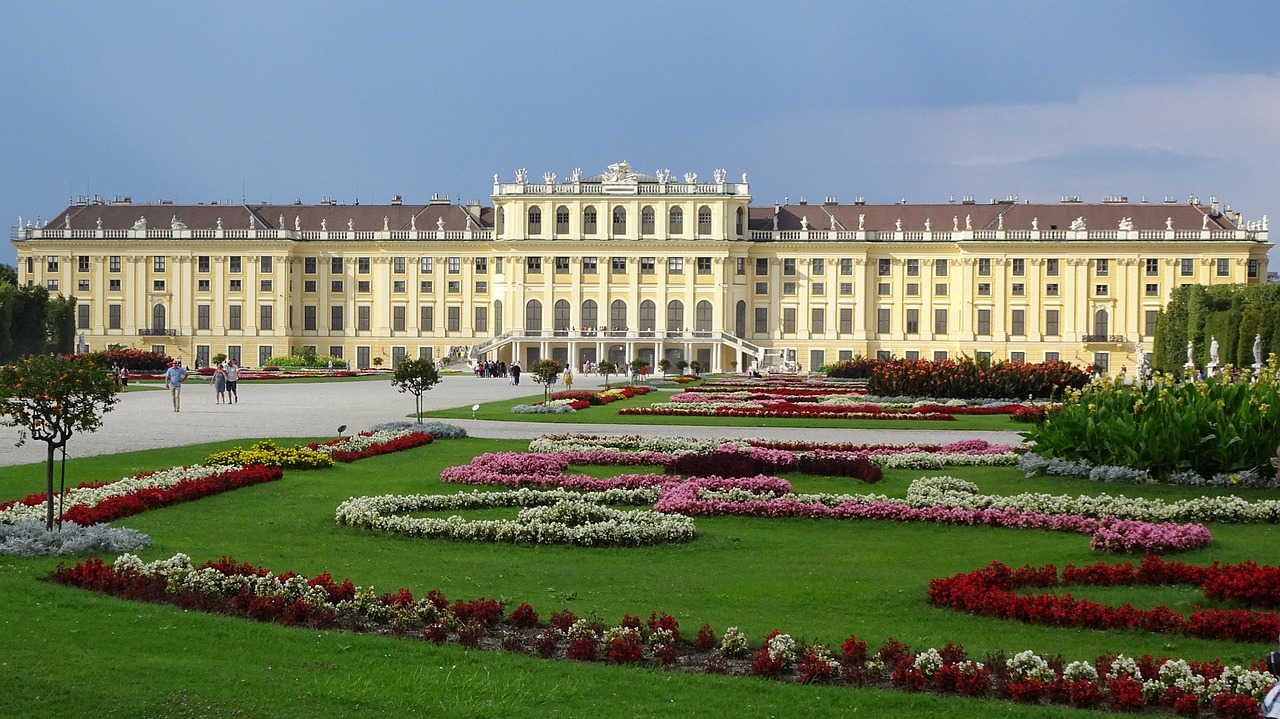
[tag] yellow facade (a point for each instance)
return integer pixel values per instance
(623, 265)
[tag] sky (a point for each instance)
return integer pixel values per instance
(922, 101)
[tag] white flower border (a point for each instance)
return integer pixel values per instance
(91, 497)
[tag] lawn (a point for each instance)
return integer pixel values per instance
(74, 653)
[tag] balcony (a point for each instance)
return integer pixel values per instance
(159, 332)
(1105, 339)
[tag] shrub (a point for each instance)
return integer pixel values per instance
(967, 378)
(858, 368)
(131, 359)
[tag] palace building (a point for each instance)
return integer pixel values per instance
(624, 265)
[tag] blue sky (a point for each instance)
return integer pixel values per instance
(915, 100)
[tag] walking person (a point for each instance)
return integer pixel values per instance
(515, 373)
(173, 378)
(124, 379)
(233, 378)
(568, 379)
(219, 381)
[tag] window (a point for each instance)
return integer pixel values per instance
(82, 317)
(264, 264)
(336, 317)
(589, 221)
(363, 313)
(817, 267)
(646, 220)
(1152, 290)
(309, 318)
(1052, 356)
(562, 220)
(1018, 322)
(762, 320)
(113, 263)
(1101, 323)
(453, 319)
(114, 285)
(308, 265)
(1224, 267)
(846, 266)
(884, 317)
(1018, 289)
(984, 289)
(913, 268)
(817, 288)
(675, 265)
(704, 265)
(426, 287)
(741, 266)
(619, 220)
(1018, 357)
(884, 267)
(234, 264)
(1149, 322)
(984, 266)
(1051, 323)
(762, 288)
(397, 318)
(533, 265)
(939, 355)
(363, 265)
(425, 265)
(912, 355)
(1102, 267)
(82, 285)
(1153, 268)
(846, 320)
(789, 266)
(264, 317)
(235, 285)
(647, 265)
(1051, 289)
(1253, 269)
(233, 317)
(590, 314)
(399, 287)
(789, 320)
(913, 321)
(481, 265)
(704, 220)
(675, 315)
(846, 288)
(1051, 267)
(481, 323)
(156, 285)
(1019, 267)
(884, 289)
(482, 287)
(52, 285)
(762, 266)
(940, 268)
(364, 286)
(940, 321)
(940, 289)
(1188, 267)
(202, 317)
(984, 322)
(113, 317)
(453, 287)
(675, 225)
(426, 318)
(535, 221)
(818, 320)
(157, 263)
(264, 285)
(453, 265)
(788, 288)
(562, 265)
(618, 265)
(533, 315)
(82, 263)
(913, 289)
(589, 266)
(497, 265)
(1100, 290)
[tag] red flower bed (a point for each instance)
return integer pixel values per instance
(125, 505)
(994, 592)
(416, 439)
(788, 409)
(968, 378)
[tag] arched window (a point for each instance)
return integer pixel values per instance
(157, 318)
(648, 316)
(562, 220)
(589, 221)
(497, 317)
(619, 220)
(562, 320)
(676, 224)
(740, 319)
(1101, 325)
(533, 315)
(704, 220)
(618, 314)
(741, 222)
(646, 220)
(702, 316)
(675, 316)
(590, 314)
(535, 221)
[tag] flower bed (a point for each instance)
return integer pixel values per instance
(995, 592)
(371, 444)
(270, 454)
(1110, 682)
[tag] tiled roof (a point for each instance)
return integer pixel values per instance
(944, 217)
(305, 217)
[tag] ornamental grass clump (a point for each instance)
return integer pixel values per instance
(1223, 426)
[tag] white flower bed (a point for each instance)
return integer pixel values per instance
(360, 442)
(91, 497)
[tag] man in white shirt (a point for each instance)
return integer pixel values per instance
(233, 378)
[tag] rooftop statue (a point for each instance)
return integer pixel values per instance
(1126, 224)
(141, 224)
(1077, 224)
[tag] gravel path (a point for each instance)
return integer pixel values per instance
(144, 418)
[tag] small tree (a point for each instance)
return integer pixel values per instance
(607, 368)
(544, 372)
(696, 366)
(681, 365)
(664, 364)
(415, 376)
(219, 358)
(637, 365)
(51, 398)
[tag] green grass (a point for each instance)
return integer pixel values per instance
(68, 652)
(608, 414)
